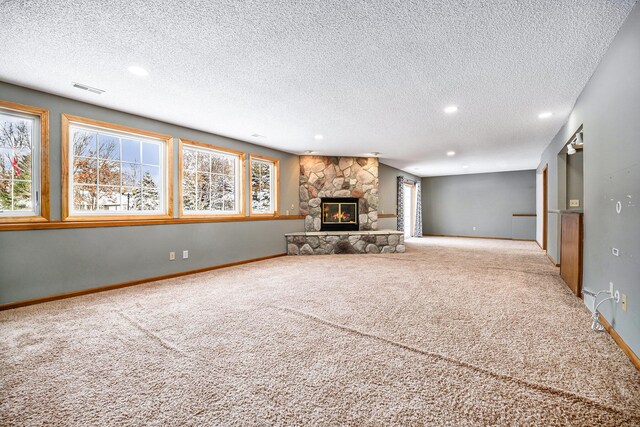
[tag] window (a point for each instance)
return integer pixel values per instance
(264, 185)
(114, 172)
(211, 180)
(24, 169)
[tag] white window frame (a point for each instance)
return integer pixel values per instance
(39, 163)
(274, 166)
(165, 142)
(239, 161)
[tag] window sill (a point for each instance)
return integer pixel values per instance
(264, 215)
(12, 220)
(69, 223)
(211, 216)
(115, 218)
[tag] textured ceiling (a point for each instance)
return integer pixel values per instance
(367, 75)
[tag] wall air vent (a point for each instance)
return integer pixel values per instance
(88, 88)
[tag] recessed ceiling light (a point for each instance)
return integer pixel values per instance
(451, 153)
(451, 109)
(545, 115)
(257, 135)
(465, 166)
(138, 71)
(318, 137)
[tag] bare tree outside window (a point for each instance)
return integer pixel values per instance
(261, 186)
(115, 174)
(16, 169)
(209, 183)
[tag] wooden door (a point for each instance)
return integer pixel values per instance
(571, 251)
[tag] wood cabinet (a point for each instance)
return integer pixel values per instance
(571, 251)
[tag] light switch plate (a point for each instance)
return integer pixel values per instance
(574, 203)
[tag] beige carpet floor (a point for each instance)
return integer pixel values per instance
(456, 332)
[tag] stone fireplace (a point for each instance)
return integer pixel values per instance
(354, 178)
(339, 200)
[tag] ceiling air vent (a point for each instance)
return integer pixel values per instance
(88, 88)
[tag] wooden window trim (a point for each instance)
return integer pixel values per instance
(67, 120)
(276, 193)
(242, 191)
(387, 216)
(51, 225)
(43, 116)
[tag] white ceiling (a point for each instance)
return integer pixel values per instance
(367, 75)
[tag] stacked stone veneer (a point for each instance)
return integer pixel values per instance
(322, 176)
(345, 242)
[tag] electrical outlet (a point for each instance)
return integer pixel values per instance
(574, 203)
(624, 302)
(185, 254)
(172, 256)
(474, 228)
(615, 251)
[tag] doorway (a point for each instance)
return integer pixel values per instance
(409, 209)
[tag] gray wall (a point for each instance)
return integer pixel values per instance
(609, 107)
(523, 228)
(575, 180)
(39, 263)
(453, 205)
(51, 262)
(388, 189)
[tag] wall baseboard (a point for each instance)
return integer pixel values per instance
(493, 238)
(545, 252)
(618, 339)
(18, 304)
(479, 237)
(551, 260)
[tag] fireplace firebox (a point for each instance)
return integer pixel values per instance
(339, 214)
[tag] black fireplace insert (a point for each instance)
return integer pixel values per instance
(339, 214)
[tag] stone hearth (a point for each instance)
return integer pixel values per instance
(345, 242)
(322, 176)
